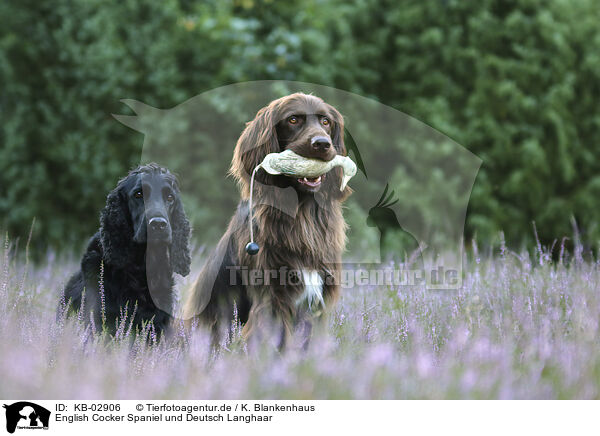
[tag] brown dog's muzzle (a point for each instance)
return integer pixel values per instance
(321, 147)
(315, 147)
(320, 143)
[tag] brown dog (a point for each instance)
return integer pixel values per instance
(298, 224)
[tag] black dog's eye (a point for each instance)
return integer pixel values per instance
(325, 121)
(170, 198)
(293, 120)
(138, 194)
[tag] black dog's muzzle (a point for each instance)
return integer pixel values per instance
(159, 230)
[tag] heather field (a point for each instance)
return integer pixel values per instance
(522, 326)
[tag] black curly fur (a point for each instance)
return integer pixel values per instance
(133, 273)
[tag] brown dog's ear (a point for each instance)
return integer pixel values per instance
(337, 131)
(258, 139)
(332, 184)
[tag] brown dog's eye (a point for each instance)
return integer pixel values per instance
(325, 121)
(170, 198)
(138, 194)
(293, 120)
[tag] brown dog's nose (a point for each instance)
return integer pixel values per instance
(320, 143)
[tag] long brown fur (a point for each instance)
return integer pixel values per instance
(296, 230)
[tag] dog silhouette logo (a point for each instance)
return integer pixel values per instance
(26, 415)
(422, 178)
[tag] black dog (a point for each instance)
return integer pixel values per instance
(129, 263)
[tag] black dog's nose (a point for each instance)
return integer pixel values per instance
(320, 143)
(158, 224)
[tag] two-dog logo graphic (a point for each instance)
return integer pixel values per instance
(26, 415)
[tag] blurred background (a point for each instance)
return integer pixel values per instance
(517, 82)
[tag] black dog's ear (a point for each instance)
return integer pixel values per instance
(116, 230)
(180, 249)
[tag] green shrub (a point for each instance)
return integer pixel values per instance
(514, 81)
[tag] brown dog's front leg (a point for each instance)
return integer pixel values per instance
(252, 330)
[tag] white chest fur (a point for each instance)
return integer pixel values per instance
(313, 290)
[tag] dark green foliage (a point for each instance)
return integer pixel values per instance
(64, 66)
(515, 81)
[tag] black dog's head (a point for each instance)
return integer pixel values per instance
(145, 209)
(299, 122)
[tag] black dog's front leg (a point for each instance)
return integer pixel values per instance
(85, 282)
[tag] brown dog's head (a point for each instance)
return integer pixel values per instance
(302, 123)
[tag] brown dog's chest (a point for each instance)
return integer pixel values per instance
(309, 239)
